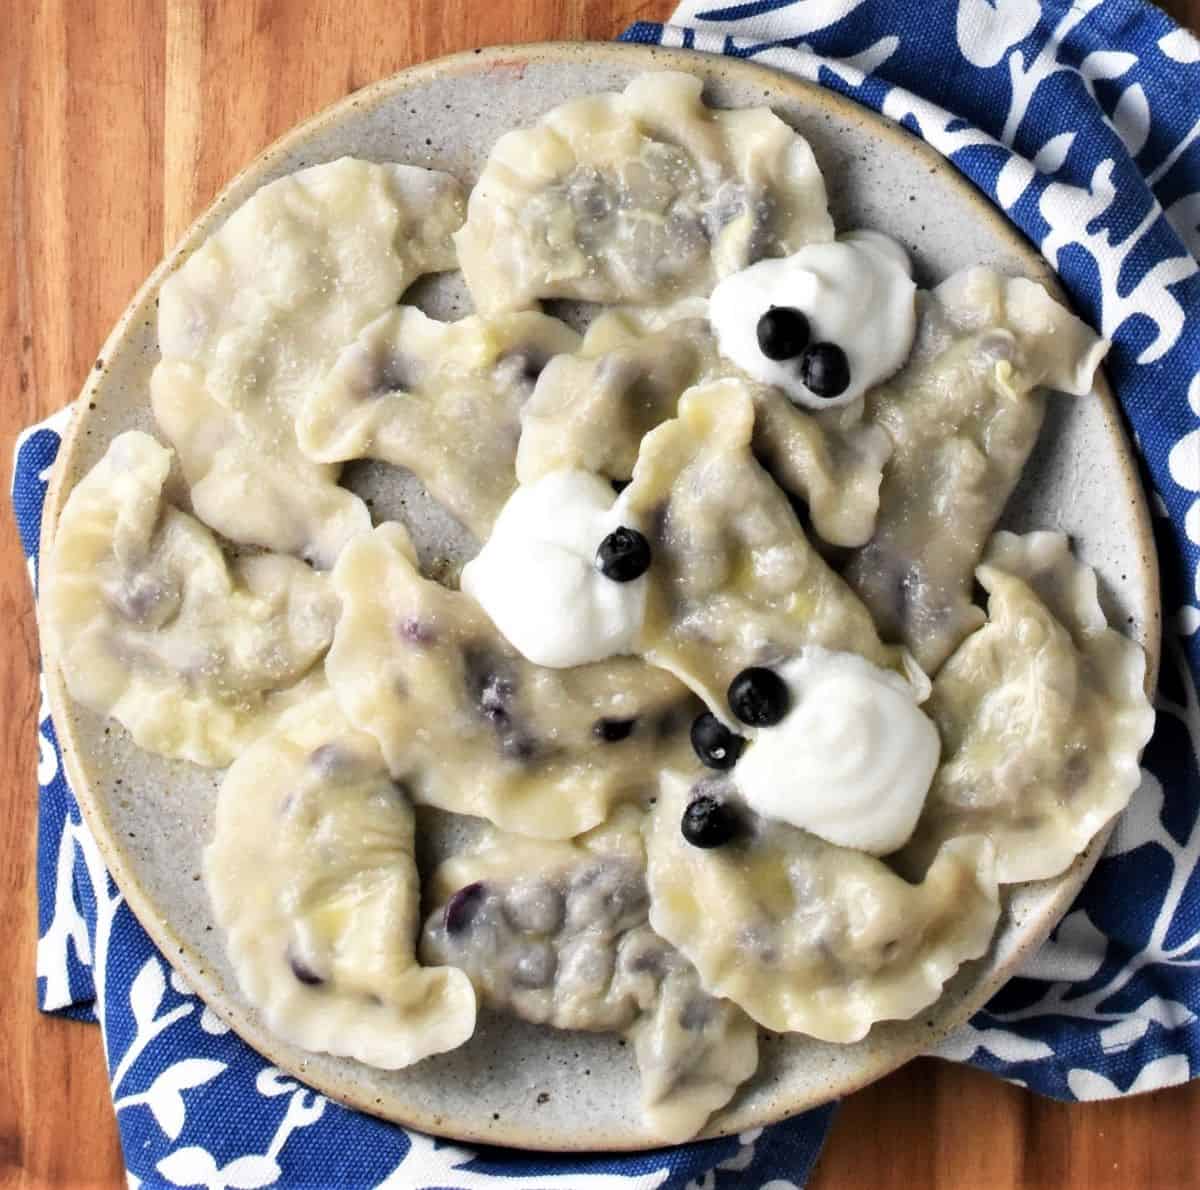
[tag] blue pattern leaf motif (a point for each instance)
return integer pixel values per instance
(195, 1166)
(163, 1096)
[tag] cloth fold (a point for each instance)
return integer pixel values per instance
(1080, 122)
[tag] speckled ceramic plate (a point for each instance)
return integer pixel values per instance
(514, 1084)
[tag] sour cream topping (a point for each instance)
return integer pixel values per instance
(857, 292)
(851, 761)
(536, 577)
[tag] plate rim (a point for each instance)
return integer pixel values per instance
(175, 951)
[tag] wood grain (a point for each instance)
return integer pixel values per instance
(122, 118)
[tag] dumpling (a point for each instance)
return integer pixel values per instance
(194, 653)
(591, 409)
(250, 323)
(810, 937)
(733, 581)
(1042, 713)
(833, 461)
(556, 933)
(963, 416)
(440, 398)
(473, 727)
(643, 196)
(311, 876)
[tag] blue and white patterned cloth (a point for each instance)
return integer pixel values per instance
(1082, 122)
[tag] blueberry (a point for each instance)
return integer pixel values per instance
(461, 908)
(612, 731)
(623, 555)
(782, 333)
(825, 370)
(715, 744)
(759, 697)
(708, 823)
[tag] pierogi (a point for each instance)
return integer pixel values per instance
(1042, 714)
(813, 938)
(443, 399)
(645, 196)
(472, 727)
(193, 653)
(312, 878)
(658, 504)
(963, 416)
(252, 320)
(556, 933)
(591, 410)
(734, 582)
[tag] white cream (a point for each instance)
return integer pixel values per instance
(536, 576)
(856, 292)
(851, 761)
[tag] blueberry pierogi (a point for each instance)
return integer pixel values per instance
(685, 776)
(471, 726)
(734, 582)
(592, 409)
(312, 877)
(443, 399)
(193, 653)
(557, 933)
(963, 417)
(643, 196)
(1043, 714)
(811, 938)
(254, 317)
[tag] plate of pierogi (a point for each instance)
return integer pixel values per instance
(599, 597)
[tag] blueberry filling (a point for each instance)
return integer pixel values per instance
(327, 759)
(493, 688)
(302, 971)
(612, 731)
(783, 333)
(759, 697)
(697, 1013)
(461, 908)
(715, 745)
(824, 370)
(140, 598)
(624, 555)
(536, 908)
(535, 966)
(416, 631)
(708, 823)
(394, 376)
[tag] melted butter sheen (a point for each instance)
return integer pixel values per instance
(852, 760)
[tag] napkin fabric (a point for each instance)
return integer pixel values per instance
(1081, 122)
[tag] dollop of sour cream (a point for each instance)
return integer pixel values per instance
(537, 580)
(851, 761)
(857, 292)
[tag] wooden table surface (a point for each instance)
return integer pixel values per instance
(122, 118)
